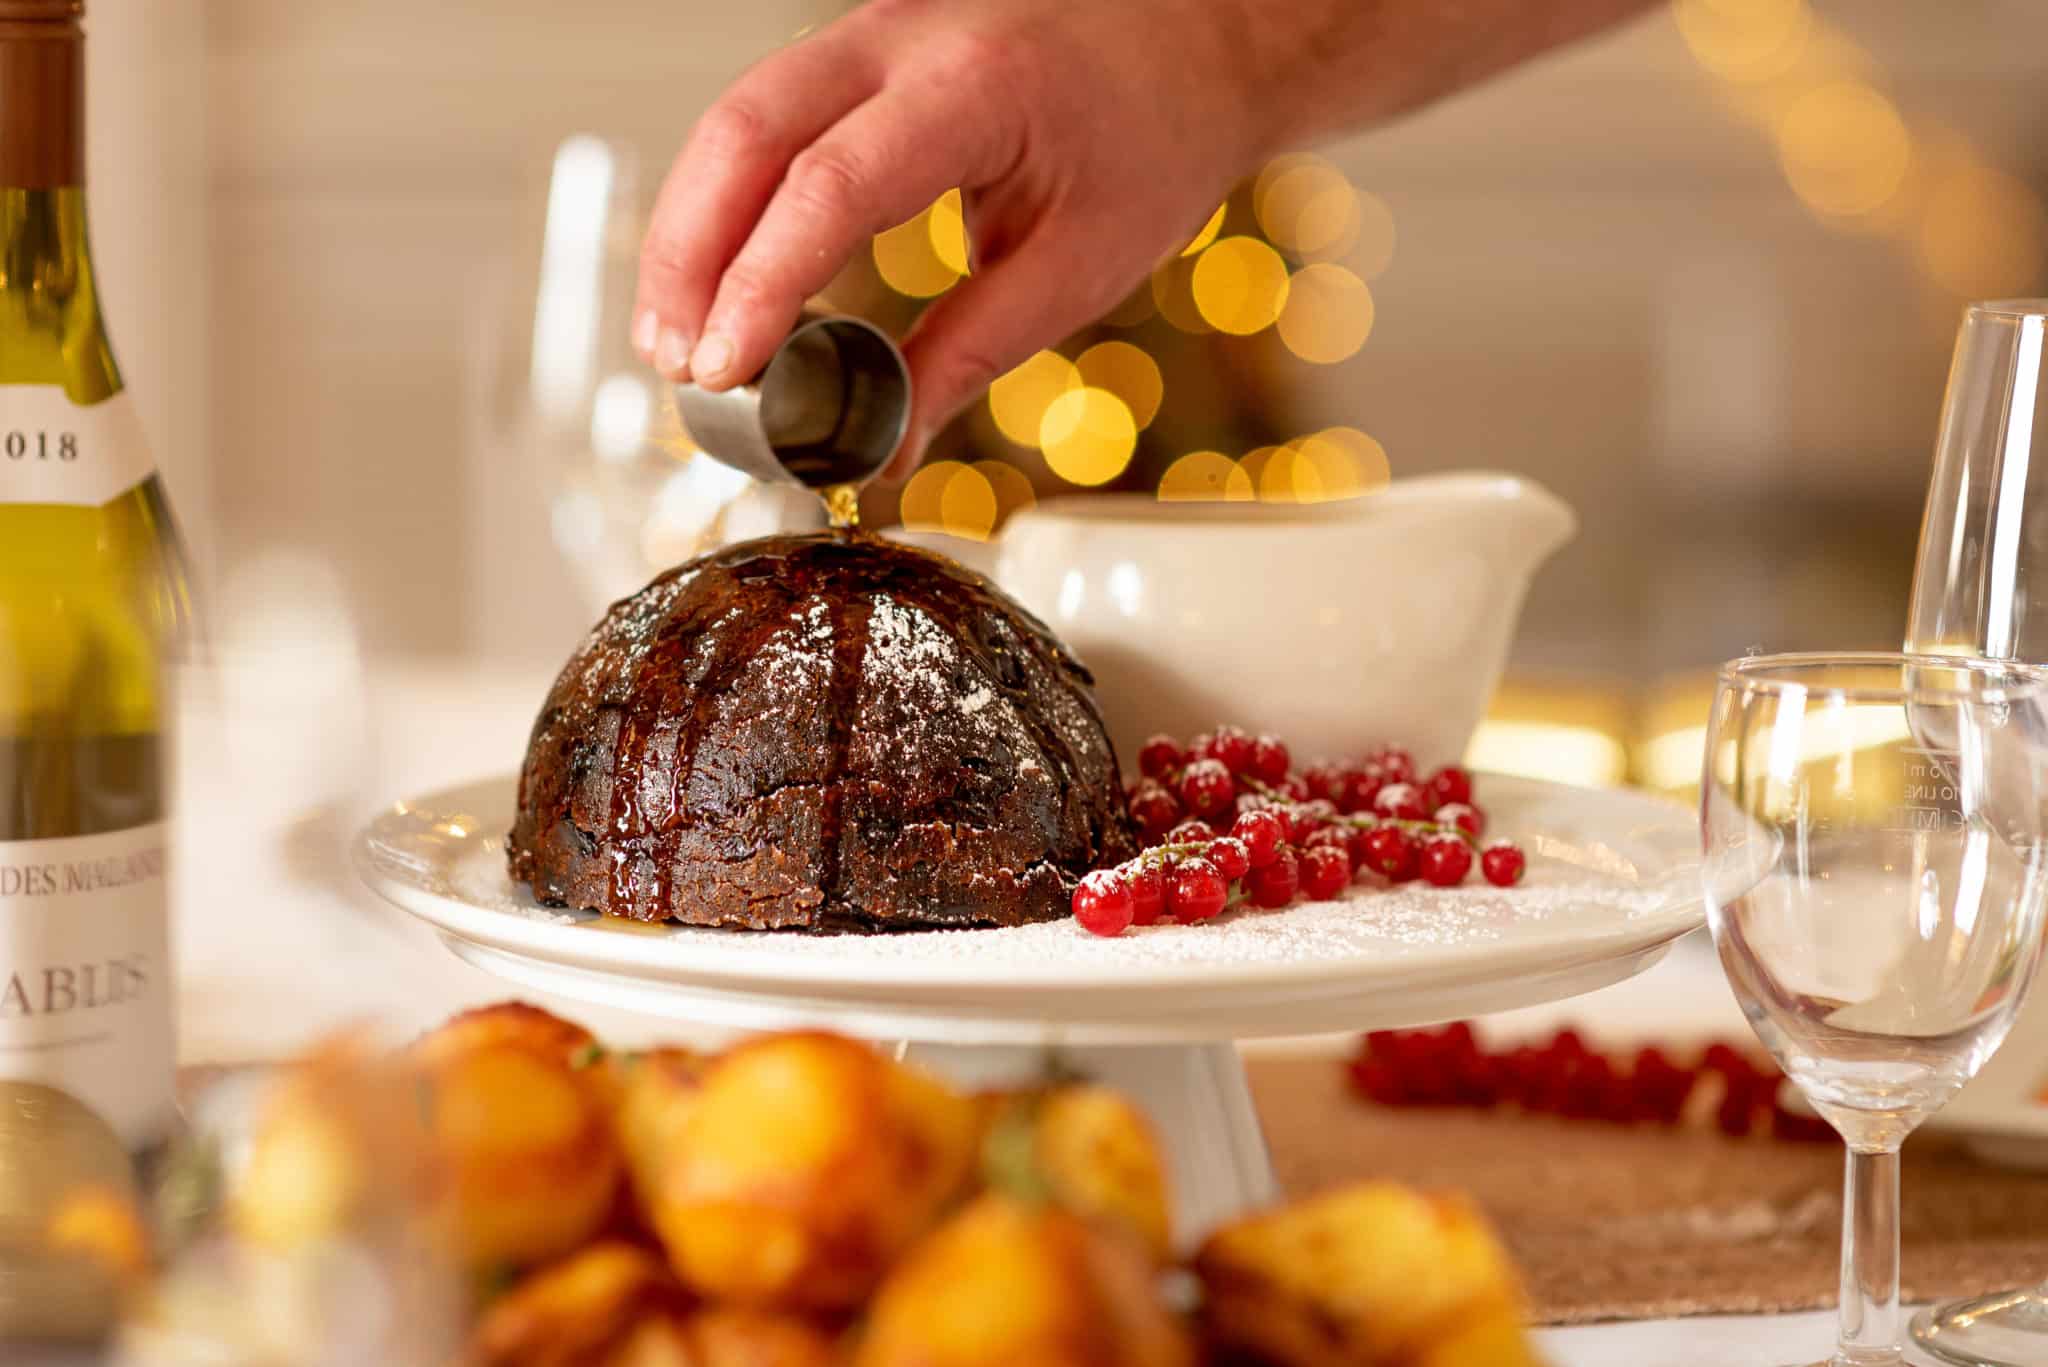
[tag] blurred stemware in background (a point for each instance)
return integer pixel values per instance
(558, 392)
(1980, 587)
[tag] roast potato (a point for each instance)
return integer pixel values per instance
(1098, 1156)
(519, 1124)
(616, 1305)
(337, 1149)
(792, 1170)
(657, 1091)
(1015, 1283)
(1372, 1275)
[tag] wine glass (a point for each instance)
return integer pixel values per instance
(1973, 594)
(1876, 840)
(553, 382)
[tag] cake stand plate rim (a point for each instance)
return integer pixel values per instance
(406, 855)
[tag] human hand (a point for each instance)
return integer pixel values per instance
(1089, 141)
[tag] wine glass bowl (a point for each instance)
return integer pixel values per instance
(1978, 589)
(1876, 877)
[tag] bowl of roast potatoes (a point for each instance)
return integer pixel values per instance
(507, 1192)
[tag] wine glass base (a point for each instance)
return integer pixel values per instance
(2008, 1329)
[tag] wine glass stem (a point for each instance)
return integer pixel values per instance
(1870, 1258)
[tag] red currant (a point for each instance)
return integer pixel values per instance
(1269, 760)
(1463, 817)
(1207, 789)
(1357, 836)
(1200, 747)
(1397, 764)
(1356, 788)
(1391, 853)
(1196, 891)
(1451, 784)
(1275, 884)
(1159, 757)
(1503, 864)
(1403, 801)
(1191, 832)
(1233, 748)
(1330, 837)
(1294, 788)
(1102, 904)
(1261, 830)
(1155, 810)
(1230, 857)
(1322, 780)
(1148, 894)
(1445, 860)
(1325, 872)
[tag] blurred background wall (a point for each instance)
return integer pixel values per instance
(1701, 285)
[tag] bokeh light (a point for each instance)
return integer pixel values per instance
(1208, 233)
(1255, 461)
(908, 262)
(1240, 285)
(1984, 233)
(1844, 148)
(1173, 294)
(1745, 40)
(1325, 469)
(1126, 372)
(1371, 249)
(947, 224)
(1369, 463)
(1205, 477)
(1271, 173)
(967, 505)
(1307, 208)
(1283, 475)
(1088, 436)
(1328, 314)
(1012, 488)
(948, 496)
(1019, 399)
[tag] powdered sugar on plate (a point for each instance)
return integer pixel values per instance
(1597, 870)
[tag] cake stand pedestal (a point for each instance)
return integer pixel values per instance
(1613, 882)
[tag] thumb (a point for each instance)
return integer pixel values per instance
(1055, 282)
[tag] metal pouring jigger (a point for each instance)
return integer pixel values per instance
(830, 407)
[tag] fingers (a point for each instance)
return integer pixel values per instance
(1053, 284)
(735, 157)
(878, 167)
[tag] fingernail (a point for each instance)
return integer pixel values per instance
(645, 329)
(712, 358)
(671, 353)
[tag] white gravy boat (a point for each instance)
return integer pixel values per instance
(1335, 626)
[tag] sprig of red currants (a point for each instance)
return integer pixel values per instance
(1306, 834)
(1449, 1067)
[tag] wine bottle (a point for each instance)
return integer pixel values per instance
(92, 597)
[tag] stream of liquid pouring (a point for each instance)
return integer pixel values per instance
(842, 505)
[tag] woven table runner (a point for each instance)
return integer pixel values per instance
(1616, 1222)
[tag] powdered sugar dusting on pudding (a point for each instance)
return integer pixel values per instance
(823, 733)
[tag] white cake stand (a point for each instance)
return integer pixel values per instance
(1613, 881)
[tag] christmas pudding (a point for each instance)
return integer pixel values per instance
(823, 733)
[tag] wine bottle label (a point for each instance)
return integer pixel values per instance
(55, 451)
(85, 1002)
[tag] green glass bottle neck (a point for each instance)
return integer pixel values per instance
(50, 327)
